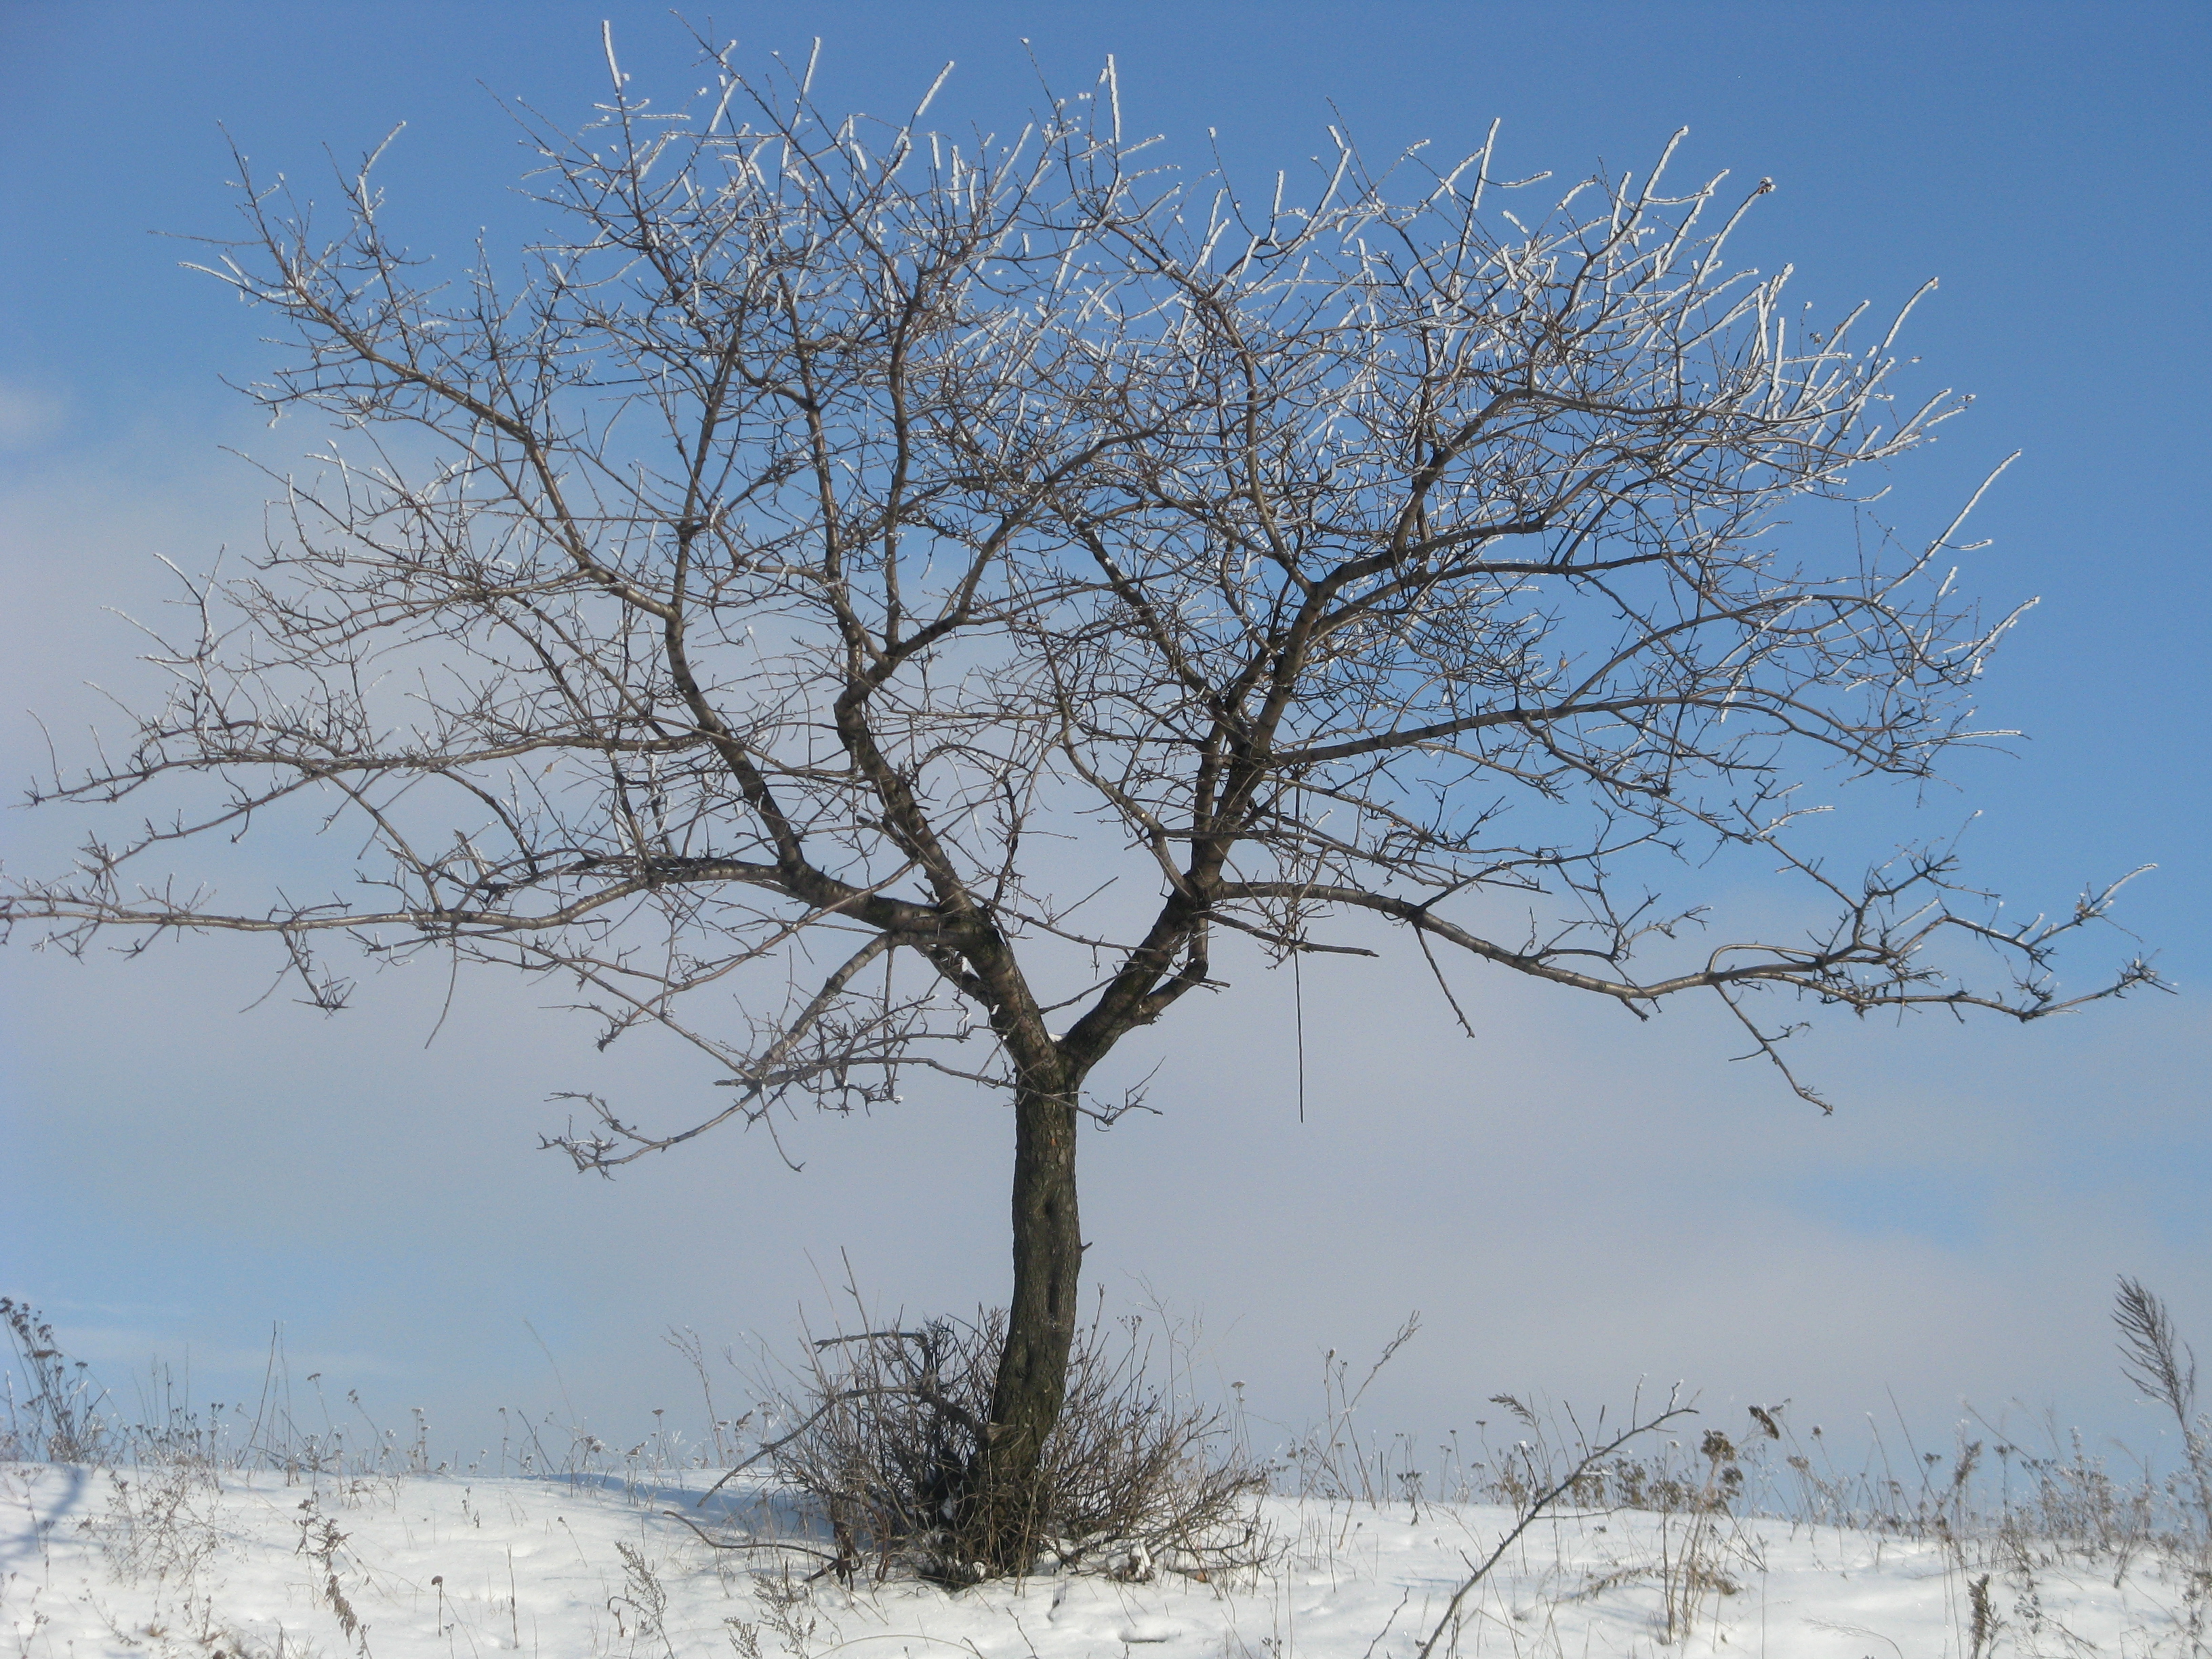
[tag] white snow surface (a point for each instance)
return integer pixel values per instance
(183, 1561)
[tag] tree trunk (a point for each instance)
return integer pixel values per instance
(1032, 1379)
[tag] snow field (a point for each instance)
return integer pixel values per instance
(188, 1561)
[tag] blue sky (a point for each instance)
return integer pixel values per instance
(1573, 1204)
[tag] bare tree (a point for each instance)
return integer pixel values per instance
(726, 612)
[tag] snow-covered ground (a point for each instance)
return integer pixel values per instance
(181, 1561)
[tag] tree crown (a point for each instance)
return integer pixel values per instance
(837, 516)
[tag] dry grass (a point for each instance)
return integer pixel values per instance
(1135, 1480)
(876, 1431)
(53, 1406)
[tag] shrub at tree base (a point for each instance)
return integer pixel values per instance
(891, 1442)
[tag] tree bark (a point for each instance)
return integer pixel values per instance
(1032, 1380)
